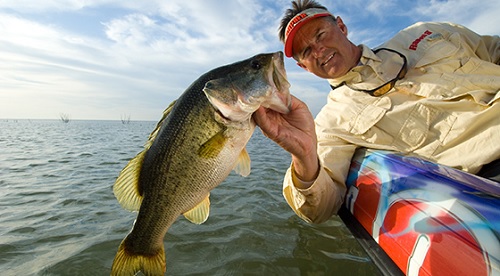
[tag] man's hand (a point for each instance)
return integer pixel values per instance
(295, 133)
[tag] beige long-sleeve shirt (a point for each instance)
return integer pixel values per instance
(446, 109)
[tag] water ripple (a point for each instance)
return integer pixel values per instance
(58, 214)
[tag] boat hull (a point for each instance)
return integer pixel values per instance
(428, 218)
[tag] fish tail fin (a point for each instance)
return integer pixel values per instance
(128, 263)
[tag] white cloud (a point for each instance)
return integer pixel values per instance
(147, 59)
(482, 18)
(140, 55)
(131, 30)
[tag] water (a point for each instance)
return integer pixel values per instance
(58, 214)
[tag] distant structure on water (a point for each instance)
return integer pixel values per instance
(125, 119)
(64, 118)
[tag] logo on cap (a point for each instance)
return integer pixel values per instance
(296, 22)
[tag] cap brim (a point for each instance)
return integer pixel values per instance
(296, 27)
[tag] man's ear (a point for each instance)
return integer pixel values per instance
(342, 26)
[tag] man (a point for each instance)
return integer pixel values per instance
(432, 91)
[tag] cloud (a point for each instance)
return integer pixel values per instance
(47, 64)
(482, 18)
(377, 21)
(146, 57)
(98, 59)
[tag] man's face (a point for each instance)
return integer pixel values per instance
(322, 48)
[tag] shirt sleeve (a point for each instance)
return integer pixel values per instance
(326, 195)
(492, 44)
(317, 203)
(486, 47)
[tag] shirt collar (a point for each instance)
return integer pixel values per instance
(373, 70)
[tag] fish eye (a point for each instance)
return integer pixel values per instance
(256, 64)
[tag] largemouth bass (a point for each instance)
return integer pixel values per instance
(200, 139)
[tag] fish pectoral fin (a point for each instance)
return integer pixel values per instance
(243, 164)
(212, 147)
(126, 187)
(199, 214)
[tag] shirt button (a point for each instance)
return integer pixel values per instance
(423, 70)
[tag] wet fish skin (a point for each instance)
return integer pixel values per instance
(199, 140)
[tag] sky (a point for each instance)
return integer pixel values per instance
(110, 59)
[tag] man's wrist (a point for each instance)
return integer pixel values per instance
(305, 172)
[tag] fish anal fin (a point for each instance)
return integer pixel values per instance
(199, 214)
(243, 164)
(128, 263)
(126, 187)
(212, 147)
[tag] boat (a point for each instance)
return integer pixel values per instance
(415, 217)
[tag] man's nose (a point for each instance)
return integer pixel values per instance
(317, 50)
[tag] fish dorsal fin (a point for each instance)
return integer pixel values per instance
(126, 188)
(243, 164)
(199, 214)
(153, 134)
(214, 145)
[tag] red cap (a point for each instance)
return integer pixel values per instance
(296, 22)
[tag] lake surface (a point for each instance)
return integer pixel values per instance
(58, 214)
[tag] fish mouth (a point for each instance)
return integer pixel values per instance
(281, 99)
(237, 100)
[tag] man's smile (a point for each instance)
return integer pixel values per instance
(327, 59)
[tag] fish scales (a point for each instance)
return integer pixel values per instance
(171, 141)
(200, 139)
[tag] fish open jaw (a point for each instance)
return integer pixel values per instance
(272, 92)
(280, 96)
